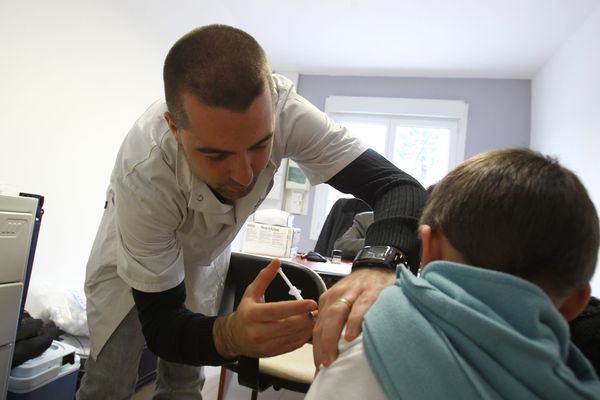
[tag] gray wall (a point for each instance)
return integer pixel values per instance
(499, 110)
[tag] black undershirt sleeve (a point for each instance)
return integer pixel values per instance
(173, 332)
(396, 198)
(176, 334)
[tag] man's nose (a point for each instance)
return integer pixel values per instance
(241, 171)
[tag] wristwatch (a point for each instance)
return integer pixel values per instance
(379, 256)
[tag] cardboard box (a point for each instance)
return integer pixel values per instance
(271, 240)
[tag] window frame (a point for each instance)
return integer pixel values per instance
(390, 108)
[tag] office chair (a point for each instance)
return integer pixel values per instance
(337, 222)
(294, 370)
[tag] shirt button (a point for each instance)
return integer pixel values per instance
(199, 197)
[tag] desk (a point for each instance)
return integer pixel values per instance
(330, 272)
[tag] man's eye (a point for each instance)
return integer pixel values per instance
(260, 145)
(216, 157)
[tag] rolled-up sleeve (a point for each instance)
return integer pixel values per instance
(149, 256)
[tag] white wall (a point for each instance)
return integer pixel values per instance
(73, 77)
(566, 109)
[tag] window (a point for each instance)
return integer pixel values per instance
(425, 138)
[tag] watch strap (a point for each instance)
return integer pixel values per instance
(379, 257)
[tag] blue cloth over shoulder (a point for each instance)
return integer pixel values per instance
(463, 332)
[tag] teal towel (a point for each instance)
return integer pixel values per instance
(462, 332)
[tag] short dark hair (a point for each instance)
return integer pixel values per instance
(518, 212)
(219, 65)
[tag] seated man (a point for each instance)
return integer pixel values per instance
(353, 240)
(510, 241)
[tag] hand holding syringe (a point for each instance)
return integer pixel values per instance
(294, 291)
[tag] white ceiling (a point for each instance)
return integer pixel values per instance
(441, 38)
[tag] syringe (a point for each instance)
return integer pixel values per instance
(294, 291)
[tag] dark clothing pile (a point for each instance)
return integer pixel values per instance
(33, 338)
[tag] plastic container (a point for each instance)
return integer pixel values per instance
(52, 375)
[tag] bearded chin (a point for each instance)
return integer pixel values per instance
(232, 194)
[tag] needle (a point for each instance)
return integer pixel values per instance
(294, 291)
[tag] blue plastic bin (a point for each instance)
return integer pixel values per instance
(53, 375)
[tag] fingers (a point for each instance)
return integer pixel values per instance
(268, 338)
(258, 287)
(236, 335)
(265, 321)
(280, 310)
(346, 303)
(259, 329)
(332, 317)
(255, 293)
(359, 308)
(280, 337)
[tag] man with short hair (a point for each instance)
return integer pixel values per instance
(191, 170)
(510, 242)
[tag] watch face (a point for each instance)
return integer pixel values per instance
(376, 256)
(375, 252)
(380, 253)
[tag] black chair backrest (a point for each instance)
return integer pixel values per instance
(243, 268)
(337, 222)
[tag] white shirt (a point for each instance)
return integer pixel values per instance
(349, 377)
(163, 224)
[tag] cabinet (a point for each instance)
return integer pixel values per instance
(17, 219)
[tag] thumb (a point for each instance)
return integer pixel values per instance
(262, 281)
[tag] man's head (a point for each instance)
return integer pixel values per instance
(219, 89)
(518, 212)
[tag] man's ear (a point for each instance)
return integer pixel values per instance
(431, 245)
(575, 302)
(172, 126)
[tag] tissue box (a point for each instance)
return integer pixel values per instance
(271, 240)
(52, 375)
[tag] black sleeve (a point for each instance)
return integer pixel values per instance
(173, 332)
(396, 198)
(585, 332)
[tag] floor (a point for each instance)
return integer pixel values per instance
(233, 392)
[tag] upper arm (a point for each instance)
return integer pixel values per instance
(313, 140)
(371, 175)
(348, 377)
(147, 216)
